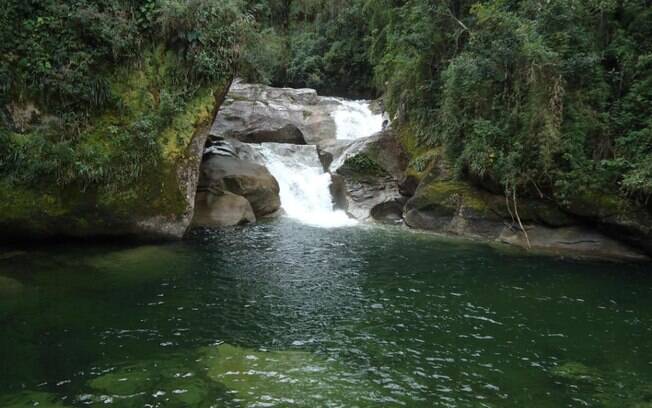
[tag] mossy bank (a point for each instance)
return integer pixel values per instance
(132, 169)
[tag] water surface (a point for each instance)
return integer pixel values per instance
(283, 314)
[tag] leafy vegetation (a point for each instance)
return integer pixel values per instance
(546, 98)
(89, 87)
(542, 98)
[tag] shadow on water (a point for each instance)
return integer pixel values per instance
(282, 314)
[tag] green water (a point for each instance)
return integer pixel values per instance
(282, 314)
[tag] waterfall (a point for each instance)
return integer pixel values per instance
(305, 187)
(355, 120)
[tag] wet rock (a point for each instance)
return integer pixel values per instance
(282, 378)
(242, 178)
(174, 382)
(388, 212)
(222, 210)
(577, 240)
(620, 219)
(338, 191)
(9, 286)
(270, 134)
(575, 371)
(408, 185)
(370, 169)
(325, 157)
(445, 205)
(25, 399)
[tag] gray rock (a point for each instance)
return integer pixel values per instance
(370, 169)
(241, 177)
(388, 212)
(579, 241)
(226, 209)
(256, 113)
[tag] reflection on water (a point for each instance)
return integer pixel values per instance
(282, 314)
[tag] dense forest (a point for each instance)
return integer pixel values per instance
(541, 98)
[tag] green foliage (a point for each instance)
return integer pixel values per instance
(311, 43)
(363, 165)
(545, 98)
(107, 77)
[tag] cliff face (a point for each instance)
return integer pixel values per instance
(152, 195)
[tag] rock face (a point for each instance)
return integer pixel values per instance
(255, 113)
(370, 169)
(615, 217)
(233, 191)
(157, 204)
(445, 205)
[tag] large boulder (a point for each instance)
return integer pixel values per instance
(220, 175)
(222, 210)
(369, 170)
(256, 113)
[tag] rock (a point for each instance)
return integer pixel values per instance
(369, 169)
(286, 134)
(9, 286)
(223, 210)
(377, 106)
(574, 371)
(454, 207)
(32, 399)
(173, 381)
(325, 157)
(408, 185)
(388, 212)
(243, 178)
(580, 241)
(338, 192)
(620, 219)
(158, 203)
(258, 113)
(283, 378)
(446, 205)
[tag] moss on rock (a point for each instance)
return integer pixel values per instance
(143, 157)
(361, 165)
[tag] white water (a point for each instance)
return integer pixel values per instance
(354, 120)
(305, 187)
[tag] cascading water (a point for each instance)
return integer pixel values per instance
(355, 120)
(305, 187)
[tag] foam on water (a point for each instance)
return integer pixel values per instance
(355, 120)
(305, 187)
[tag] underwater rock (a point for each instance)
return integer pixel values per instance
(575, 371)
(26, 399)
(281, 378)
(169, 383)
(9, 285)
